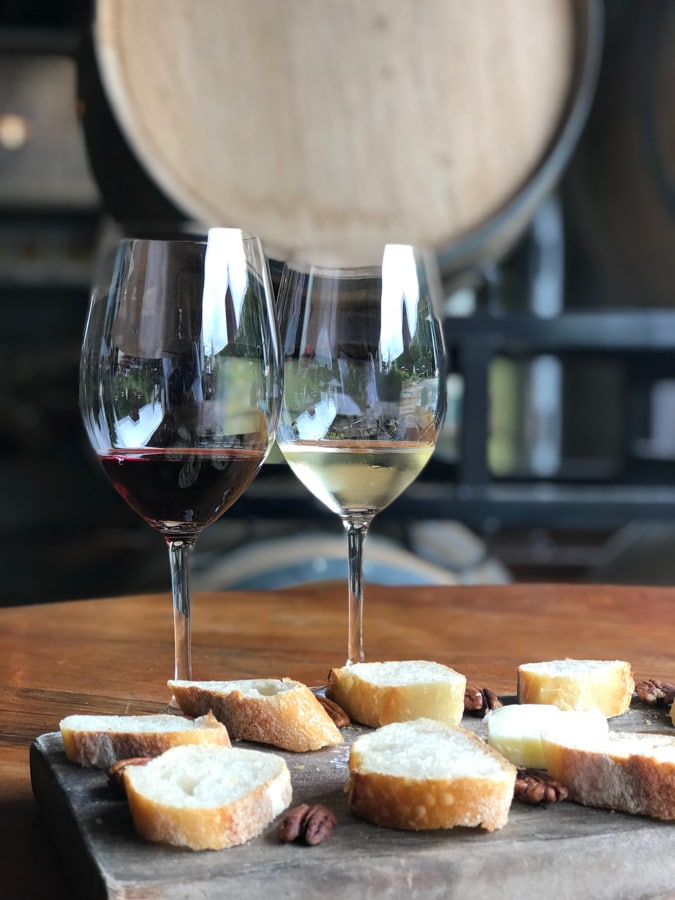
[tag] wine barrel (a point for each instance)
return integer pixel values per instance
(620, 186)
(338, 126)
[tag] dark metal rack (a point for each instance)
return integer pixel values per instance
(465, 489)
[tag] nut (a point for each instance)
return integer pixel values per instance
(533, 786)
(473, 699)
(334, 710)
(653, 691)
(116, 772)
(479, 700)
(307, 824)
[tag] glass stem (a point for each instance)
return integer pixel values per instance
(357, 529)
(179, 559)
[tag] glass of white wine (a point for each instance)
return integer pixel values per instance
(364, 389)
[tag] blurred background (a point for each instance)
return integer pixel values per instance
(557, 461)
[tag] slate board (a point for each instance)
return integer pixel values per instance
(562, 850)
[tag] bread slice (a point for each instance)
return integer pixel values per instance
(207, 798)
(426, 774)
(280, 712)
(100, 741)
(632, 772)
(378, 693)
(579, 684)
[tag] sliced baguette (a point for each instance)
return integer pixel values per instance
(207, 798)
(579, 684)
(379, 693)
(632, 772)
(101, 741)
(280, 712)
(425, 774)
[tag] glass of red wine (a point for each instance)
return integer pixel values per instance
(180, 386)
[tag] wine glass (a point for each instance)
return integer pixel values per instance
(364, 389)
(180, 384)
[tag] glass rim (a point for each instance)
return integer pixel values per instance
(305, 262)
(182, 239)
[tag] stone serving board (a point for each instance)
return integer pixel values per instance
(561, 850)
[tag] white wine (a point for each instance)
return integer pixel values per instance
(356, 476)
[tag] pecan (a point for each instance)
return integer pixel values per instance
(334, 710)
(473, 698)
(492, 700)
(653, 691)
(290, 825)
(479, 700)
(116, 772)
(307, 824)
(533, 786)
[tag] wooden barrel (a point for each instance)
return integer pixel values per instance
(339, 125)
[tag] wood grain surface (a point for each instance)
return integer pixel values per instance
(115, 655)
(340, 125)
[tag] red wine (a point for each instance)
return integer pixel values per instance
(180, 491)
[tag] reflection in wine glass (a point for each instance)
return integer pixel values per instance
(364, 395)
(180, 383)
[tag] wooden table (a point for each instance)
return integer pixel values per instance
(115, 655)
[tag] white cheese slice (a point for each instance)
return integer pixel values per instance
(515, 730)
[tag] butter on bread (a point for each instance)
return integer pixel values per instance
(378, 693)
(515, 730)
(102, 740)
(578, 684)
(631, 772)
(207, 798)
(281, 712)
(424, 774)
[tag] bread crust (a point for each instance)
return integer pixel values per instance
(413, 806)
(376, 704)
(290, 718)
(617, 775)
(87, 744)
(606, 685)
(399, 801)
(210, 827)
